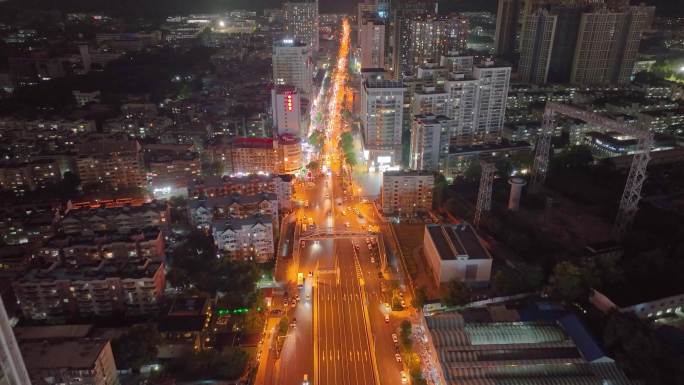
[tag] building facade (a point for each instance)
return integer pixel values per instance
(286, 108)
(382, 104)
(115, 163)
(246, 238)
(292, 65)
(456, 252)
(372, 43)
(302, 22)
(406, 193)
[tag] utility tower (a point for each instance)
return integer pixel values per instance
(484, 194)
(629, 204)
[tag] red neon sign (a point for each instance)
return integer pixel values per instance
(288, 101)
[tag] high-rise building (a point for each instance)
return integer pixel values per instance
(12, 368)
(536, 42)
(582, 42)
(403, 11)
(431, 36)
(302, 22)
(286, 107)
(506, 27)
(292, 65)
(477, 101)
(429, 141)
(372, 43)
(382, 103)
(607, 45)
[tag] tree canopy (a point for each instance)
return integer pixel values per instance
(458, 293)
(136, 347)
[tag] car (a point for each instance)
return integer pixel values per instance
(397, 357)
(372, 260)
(403, 303)
(346, 224)
(305, 381)
(308, 296)
(293, 303)
(294, 323)
(386, 318)
(310, 273)
(297, 297)
(404, 378)
(387, 306)
(395, 339)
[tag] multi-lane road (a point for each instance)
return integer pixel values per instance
(343, 331)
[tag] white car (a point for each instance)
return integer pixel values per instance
(404, 378)
(395, 339)
(306, 380)
(397, 357)
(386, 319)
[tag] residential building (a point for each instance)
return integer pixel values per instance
(382, 103)
(87, 249)
(288, 115)
(477, 102)
(203, 211)
(430, 141)
(434, 35)
(457, 252)
(28, 223)
(12, 368)
(24, 177)
(406, 193)
(249, 237)
(171, 165)
(460, 158)
(539, 343)
(81, 361)
(403, 35)
(607, 45)
(292, 66)
(372, 43)
(536, 44)
(302, 22)
(250, 184)
(113, 162)
(254, 155)
(122, 216)
(106, 289)
(507, 15)
(429, 100)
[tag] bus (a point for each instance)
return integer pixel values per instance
(300, 280)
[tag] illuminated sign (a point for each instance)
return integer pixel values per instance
(288, 101)
(288, 41)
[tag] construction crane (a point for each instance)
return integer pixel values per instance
(484, 193)
(629, 203)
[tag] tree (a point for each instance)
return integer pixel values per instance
(504, 166)
(439, 191)
(419, 298)
(316, 139)
(405, 331)
(136, 347)
(639, 352)
(283, 325)
(458, 293)
(350, 158)
(568, 283)
(473, 172)
(577, 157)
(313, 166)
(210, 364)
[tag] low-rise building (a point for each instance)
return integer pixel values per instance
(540, 343)
(457, 252)
(80, 361)
(121, 216)
(249, 237)
(202, 212)
(103, 290)
(406, 193)
(253, 155)
(169, 168)
(250, 184)
(78, 250)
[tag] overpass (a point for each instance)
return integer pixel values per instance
(333, 233)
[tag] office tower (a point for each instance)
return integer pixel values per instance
(292, 66)
(301, 22)
(403, 11)
(13, 371)
(429, 141)
(536, 42)
(506, 27)
(372, 43)
(607, 45)
(287, 111)
(382, 104)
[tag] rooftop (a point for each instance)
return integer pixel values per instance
(408, 173)
(41, 333)
(78, 354)
(106, 269)
(453, 241)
